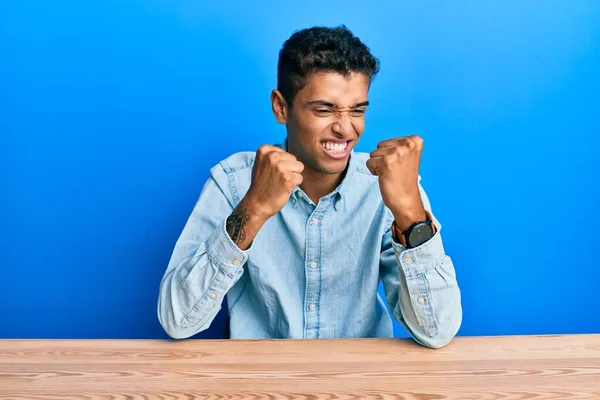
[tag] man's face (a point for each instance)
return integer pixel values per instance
(327, 119)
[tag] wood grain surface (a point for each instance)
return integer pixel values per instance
(486, 368)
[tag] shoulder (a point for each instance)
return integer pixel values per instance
(359, 163)
(363, 181)
(235, 163)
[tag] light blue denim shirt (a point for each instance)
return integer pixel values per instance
(312, 271)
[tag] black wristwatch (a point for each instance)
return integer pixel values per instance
(416, 234)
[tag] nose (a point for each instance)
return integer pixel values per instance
(342, 127)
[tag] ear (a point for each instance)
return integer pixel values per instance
(280, 107)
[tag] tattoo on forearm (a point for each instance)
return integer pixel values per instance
(235, 225)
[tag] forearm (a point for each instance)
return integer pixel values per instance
(191, 292)
(244, 223)
(429, 300)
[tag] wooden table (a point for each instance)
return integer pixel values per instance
(519, 367)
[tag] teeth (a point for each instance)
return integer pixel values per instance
(335, 147)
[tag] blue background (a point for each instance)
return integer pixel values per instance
(112, 113)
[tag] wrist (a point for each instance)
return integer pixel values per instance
(254, 210)
(406, 217)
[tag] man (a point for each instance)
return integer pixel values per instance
(299, 236)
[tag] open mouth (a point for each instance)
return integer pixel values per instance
(337, 149)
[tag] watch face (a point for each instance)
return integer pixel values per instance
(420, 234)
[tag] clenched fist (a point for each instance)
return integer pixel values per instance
(275, 174)
(396, 163)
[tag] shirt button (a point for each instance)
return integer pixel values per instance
(236, 261)
(421, 300)
(313, 265)
(300, 194)
(314, 221)
(408, 260)
(312, 307)
(212, 295)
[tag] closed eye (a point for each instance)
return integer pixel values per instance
(357, 112)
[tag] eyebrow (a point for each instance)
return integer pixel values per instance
(331, 105)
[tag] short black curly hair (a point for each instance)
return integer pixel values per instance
(321, 49)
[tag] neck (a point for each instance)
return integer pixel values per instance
(317, 184)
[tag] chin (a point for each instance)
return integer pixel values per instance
(335, 167)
